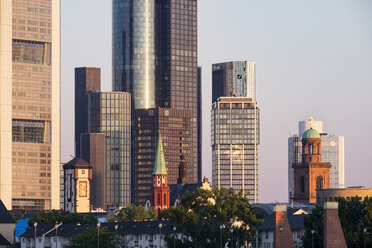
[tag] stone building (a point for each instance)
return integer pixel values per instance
(311, 173)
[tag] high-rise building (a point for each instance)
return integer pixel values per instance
(30, 104)
(109, 113)
(200, 124)
(236, 78)
(332, 151)
(87, 79)
(175, 127)
(155, 58)
(235, 141)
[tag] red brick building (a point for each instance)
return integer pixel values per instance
(310, 174)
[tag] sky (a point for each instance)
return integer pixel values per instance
(313, 58)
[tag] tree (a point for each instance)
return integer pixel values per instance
(89, 239)
(134, 213)
(61, 216)
(355, 216)
(206, 218)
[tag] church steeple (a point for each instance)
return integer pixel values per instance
(160, 188)
(160, 167)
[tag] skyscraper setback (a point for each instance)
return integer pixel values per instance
(155, 59)
(236, 78)
(30, 104)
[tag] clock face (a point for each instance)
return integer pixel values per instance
(158, 181)
(333, 143)
(83, 189)
(163, 181)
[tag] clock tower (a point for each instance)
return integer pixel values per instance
(160, 188)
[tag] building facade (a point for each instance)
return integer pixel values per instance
(311, 173)
(30, 104)
(236, 78)
(332, 151)
(155, 58)
(87, 79)
(235, 141)
(109, 113)
(77, 184)
(329, 195)
(175, 128)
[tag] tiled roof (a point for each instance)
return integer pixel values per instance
(124, 228)
(178, 191)
(296, 222)
(76, 162)
(5, 217)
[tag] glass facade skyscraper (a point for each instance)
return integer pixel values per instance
(30, 104)
(235, 140)
(332, 148)
(110, 113)
(236, 78)
(133, 46)
(157, 39)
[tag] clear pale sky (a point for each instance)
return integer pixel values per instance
(313, 58)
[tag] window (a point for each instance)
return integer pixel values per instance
(302, 184)
(319, 182)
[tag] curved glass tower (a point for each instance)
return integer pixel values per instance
(133, 49)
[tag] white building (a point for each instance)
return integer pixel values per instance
(332, 151)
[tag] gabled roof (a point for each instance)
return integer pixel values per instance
(76, 162)
(3, 241)
(160, 167)
(5, 217)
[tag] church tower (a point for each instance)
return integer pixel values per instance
(160, 188)
(310, 174)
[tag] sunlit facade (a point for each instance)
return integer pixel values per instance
(332, 151)
(30, 104)
(133, 50)
(110, 113)
(235, 141)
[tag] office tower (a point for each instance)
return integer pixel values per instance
(332, 151)
(174, 125)
(93, 151)
(155, 58)
(235, 141)
(30, 104)
(109, 113)
(200, 124)
(236, 78)
(133, 50)
(87, 79)
(311, 173)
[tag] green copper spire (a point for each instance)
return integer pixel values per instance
(160, 168)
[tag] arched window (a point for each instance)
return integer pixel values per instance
(319, 182)
(302, 184)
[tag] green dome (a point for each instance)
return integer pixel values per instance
(311, 134)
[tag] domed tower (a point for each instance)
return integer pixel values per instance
(310, 174)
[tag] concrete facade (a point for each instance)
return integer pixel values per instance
(30, 104)
(327, 195)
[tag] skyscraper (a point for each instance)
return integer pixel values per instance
(236, 78)
(155, 58)
(87, 79)
(109, 113)
(30, 104)
(235, 141)
(332, 151)
(174, 125)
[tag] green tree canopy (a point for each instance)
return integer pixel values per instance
(89, 239)
(207, 218)
(61, 216)
(134, 213)
(355, 216)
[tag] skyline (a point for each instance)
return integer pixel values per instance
(275, 55)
